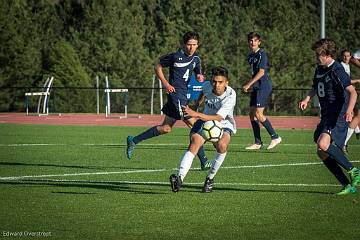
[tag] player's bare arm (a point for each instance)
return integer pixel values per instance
(200, 77)
(354, 81)
(198, 102)
(160, 74)
(355, 61)
(201, 116)
(248, 85)
(352, 100)
(303, 104)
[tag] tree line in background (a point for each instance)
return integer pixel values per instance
(77, 40)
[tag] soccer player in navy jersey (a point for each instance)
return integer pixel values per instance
(337, 98)
(181, 64)
(220, 101)
(260, 83)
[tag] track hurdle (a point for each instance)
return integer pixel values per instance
(109, 90)
(45, 93)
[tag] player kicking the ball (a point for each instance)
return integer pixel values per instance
(220, 100)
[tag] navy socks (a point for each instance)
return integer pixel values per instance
(201, 155)
(151, 132)
(336, 170)
(339, 156)
(256, 129)
(267, 125)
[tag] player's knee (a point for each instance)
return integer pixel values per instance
(321, 154)
(165, 129)
(221, 147)
(323, 146)
(260, 116)
(356, 111)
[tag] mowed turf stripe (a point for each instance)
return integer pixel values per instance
(154, 170)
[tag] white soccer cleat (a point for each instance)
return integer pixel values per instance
(274, 142)
(254, 147)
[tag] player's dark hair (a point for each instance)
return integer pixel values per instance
(252, 35)
(191, 35)
(325, 46)
(219, 71)
(344, 51)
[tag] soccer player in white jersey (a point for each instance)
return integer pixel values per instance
(353, 125)
(220, 101)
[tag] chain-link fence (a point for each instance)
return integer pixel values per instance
(137, 100)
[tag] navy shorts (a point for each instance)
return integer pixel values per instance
(259, 97)
(198, 124)
(337, 129)
(172, 107)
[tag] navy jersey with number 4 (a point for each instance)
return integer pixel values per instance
(259, 60)
(181, 66)
(329, 84)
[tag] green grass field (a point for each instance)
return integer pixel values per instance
(74, 182)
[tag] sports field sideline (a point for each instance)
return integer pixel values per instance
(285, 122)
(74, 182)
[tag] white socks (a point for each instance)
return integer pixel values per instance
(185, 164)
(357, 129)
(219, 159)
(188, 158)
(349, 134)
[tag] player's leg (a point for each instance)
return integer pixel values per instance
(353, 127)
(275, 138)
(357, 121)
(204, 162)
(221, 151)
(324, 144)
(255, 127)
(155, 131)
(350, 131)
(261, 102)
(196, 141)
(324, 141)
(338, 135)
(336, 170)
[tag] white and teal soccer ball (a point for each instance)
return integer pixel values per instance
(357, 54)
(212, 131)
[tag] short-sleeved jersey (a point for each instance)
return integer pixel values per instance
(222, 105)
(181, 66)
(330, 83)
(257, 61)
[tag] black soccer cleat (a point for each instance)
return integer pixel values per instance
(357, 136)
(208, 185)
(175, 182)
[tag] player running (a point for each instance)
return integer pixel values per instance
(181, 64)
(220, 101)
(337, 99)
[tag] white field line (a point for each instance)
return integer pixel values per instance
(153, 170)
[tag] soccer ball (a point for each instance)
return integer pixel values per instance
(357, 54)
(211, 131)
